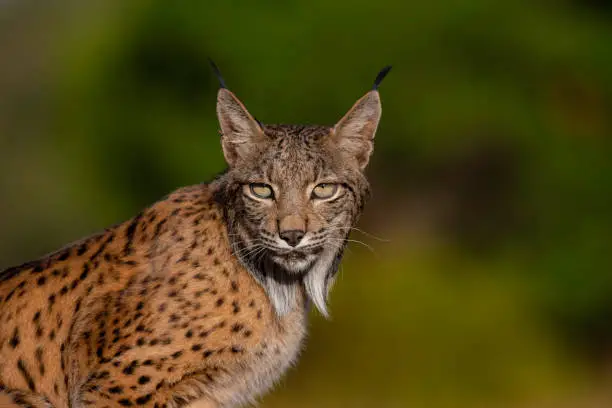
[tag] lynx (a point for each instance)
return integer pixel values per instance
(201, 299)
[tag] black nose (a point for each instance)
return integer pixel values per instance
(292, 237)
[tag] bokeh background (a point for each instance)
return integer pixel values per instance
(488, 277)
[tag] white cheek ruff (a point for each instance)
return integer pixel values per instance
(318, 281)
(283, 297)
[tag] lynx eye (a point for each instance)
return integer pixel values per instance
(261, 190)
(324, 190)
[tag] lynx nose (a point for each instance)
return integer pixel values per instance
(292, 237)
(292, 228)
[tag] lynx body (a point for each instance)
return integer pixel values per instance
(201, 299)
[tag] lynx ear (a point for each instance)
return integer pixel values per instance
(242, 135)
(354, 133)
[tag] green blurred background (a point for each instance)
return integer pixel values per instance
(489, 282)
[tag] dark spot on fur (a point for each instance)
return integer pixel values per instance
(82, 249)
(39, 358)
(143, 400)
(129, 234)
(26, 375)
(14, 341)
(85, 272)
(129, 370)
(144, 379)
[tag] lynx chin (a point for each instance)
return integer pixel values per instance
(201, 299)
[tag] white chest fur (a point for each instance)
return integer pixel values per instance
(278, 351)
(276, 355)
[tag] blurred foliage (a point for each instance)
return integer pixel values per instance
(491, 173)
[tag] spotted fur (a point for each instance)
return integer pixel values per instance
(195, 301)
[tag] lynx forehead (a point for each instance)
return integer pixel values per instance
(201, 299)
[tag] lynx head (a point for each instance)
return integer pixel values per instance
(292, 193)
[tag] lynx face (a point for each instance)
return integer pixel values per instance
(293, 193)
(297, 198)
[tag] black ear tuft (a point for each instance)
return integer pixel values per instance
(217, 73)
(381, 75)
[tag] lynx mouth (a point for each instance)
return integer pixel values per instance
(292, 255)
(294, 260)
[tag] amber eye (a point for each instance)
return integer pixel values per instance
(261, 190)
(324, 190)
